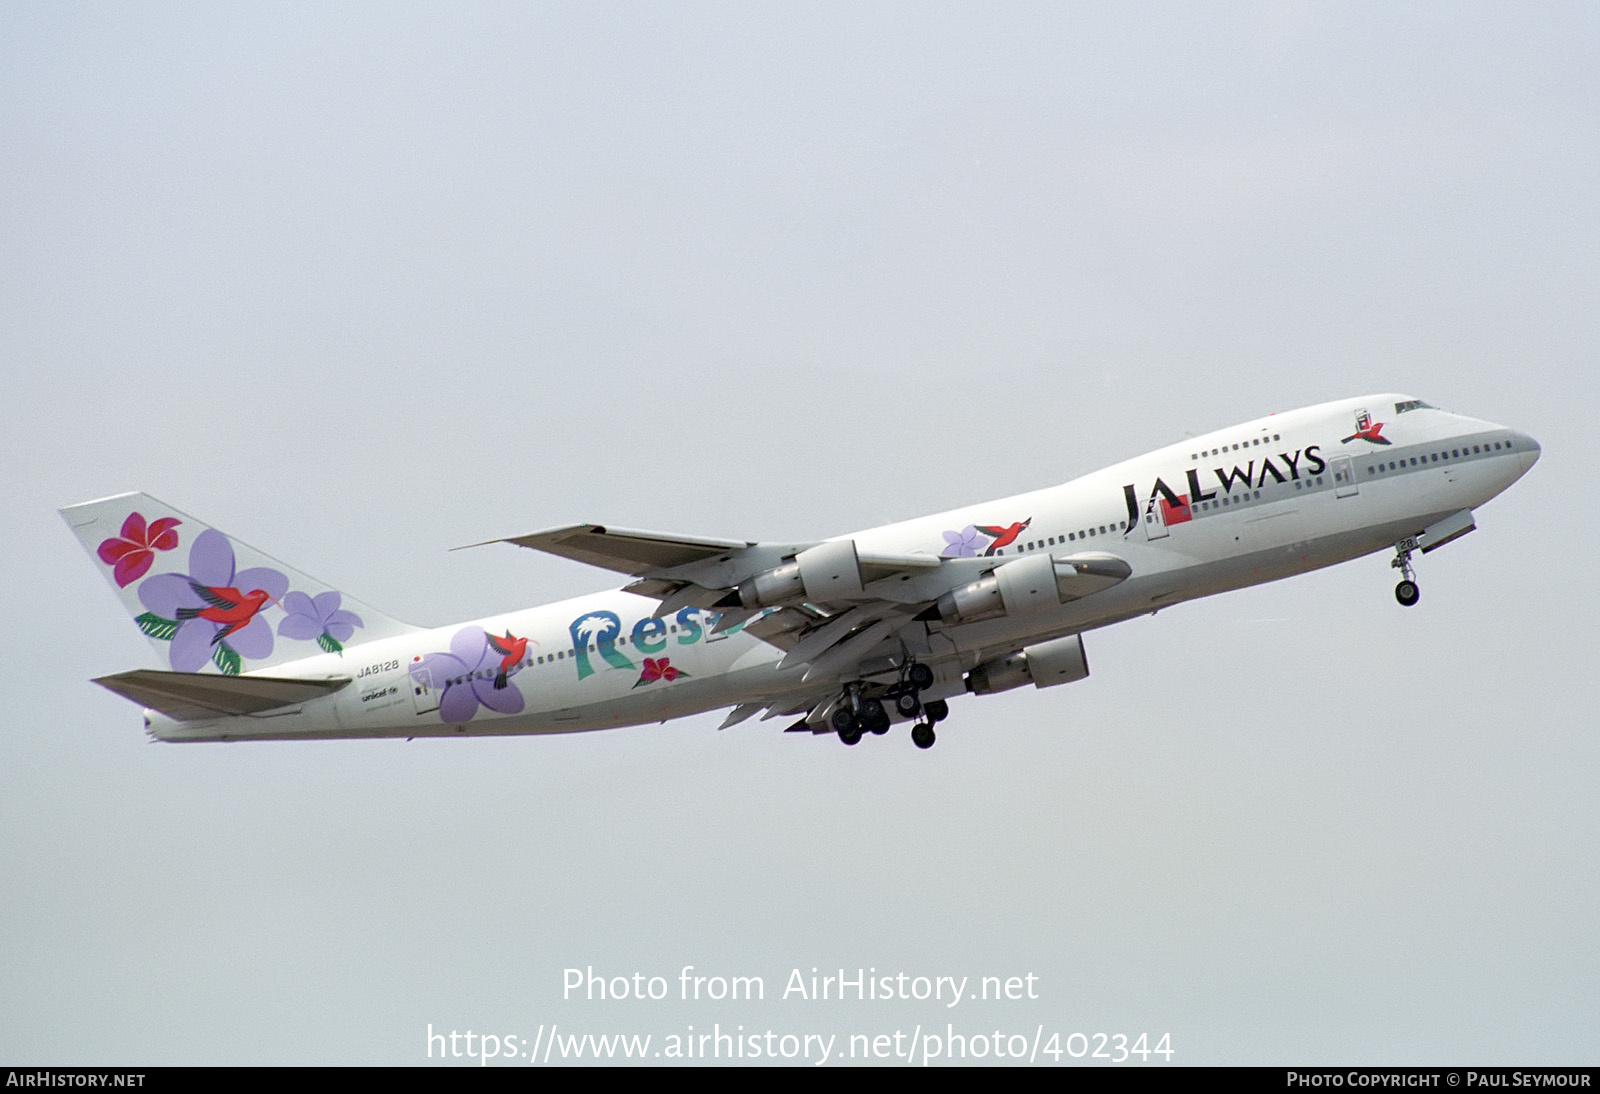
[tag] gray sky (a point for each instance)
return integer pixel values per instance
(360, 283)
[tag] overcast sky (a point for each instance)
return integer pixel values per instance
(361, 283)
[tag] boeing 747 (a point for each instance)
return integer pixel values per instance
(843, 636)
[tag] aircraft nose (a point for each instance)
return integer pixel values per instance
(1528, 451)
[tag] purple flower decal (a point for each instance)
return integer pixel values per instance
(318, 617)
(212, 612)
(467, 675)
(962, 544)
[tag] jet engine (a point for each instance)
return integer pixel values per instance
(826, 572)
(1059, 661)
(1029, 585)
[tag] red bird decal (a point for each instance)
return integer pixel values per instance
(1003, 537)
(1367, 430)
(227, 606)
(511, 650)
(1373, 433)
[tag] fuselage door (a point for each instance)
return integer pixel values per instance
(1155, 521)
(425, 691)
(1344, 477)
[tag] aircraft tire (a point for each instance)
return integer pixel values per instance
(908, 704)
(1407, 593)
(921, 677)
(850, 736)
(922, 735)
(873, 717)
(937, 710)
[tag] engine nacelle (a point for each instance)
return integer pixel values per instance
(1059, 661)
(827, 572)
(1029, 584)
(779, 585)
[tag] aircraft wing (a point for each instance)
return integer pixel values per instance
(829, 606)
(624, 550)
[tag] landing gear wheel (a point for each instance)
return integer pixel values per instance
(1406, 592)
(845, 724)
(920, 677)
(872, 716)
(908, 704)
(850, 736)
(922, 735)
(937, 710)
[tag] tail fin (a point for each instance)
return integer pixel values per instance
(202, 597)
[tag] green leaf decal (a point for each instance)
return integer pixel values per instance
(156, 627)
(227, 659)
(329, 643)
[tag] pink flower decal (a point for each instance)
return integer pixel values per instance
(658, 669)
(131, 554)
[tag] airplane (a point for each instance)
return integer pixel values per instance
(845, 636)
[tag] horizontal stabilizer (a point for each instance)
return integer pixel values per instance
(193, 696)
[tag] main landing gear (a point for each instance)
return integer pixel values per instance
(935, 710)
(1406, 592)
(858, 715)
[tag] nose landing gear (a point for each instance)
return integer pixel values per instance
(1406, 592)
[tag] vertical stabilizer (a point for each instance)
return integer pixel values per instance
(209, 602)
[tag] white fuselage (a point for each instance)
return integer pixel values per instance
(1260, 501)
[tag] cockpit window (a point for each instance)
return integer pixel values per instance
(1413, 404)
